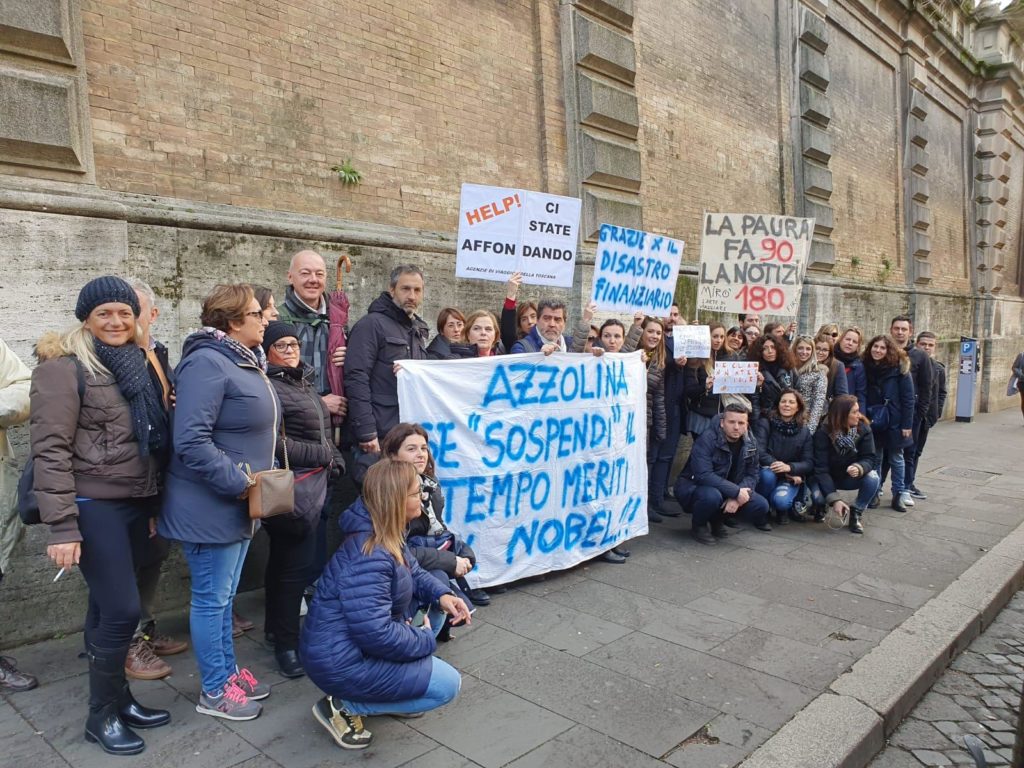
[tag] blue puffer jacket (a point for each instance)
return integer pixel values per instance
(355, 643)
(893, 387)
(226, 414)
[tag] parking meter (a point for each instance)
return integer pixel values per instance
(966, 378)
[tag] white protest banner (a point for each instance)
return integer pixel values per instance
(503, 230)
(635, 271)
(733, 376)
(753, 263)
(541, 459)
(691, 340)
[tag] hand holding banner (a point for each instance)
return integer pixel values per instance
(753, 263)
(691, 340)
(502, 231)
(635, 271)
(737, 377)
(542, 459)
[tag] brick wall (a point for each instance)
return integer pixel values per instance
(251, 102)
(867, 196)
(709, 113)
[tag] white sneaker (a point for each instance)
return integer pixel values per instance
(906, 499)
(303, 608)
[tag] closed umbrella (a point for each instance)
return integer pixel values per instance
(337, 313)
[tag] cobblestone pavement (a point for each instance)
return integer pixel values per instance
(978, 694)
(686, 655)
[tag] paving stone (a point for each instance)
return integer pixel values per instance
(677, 624)
(440, 757)
(559, 627)
(917, 734)
(843, 605)
(1005, 738)
(738, 732)
(467, 725)
(698, 755)
(782, 657)
(936, 706)
(956, 683)
(22, 744)
(778, 619)
(930, 758)
(722, 685)
(650, 718)
(192, 740)
(894, 758)
(477, 643)
(887, 591)
(990, 681)
(998, 725)
(582, 747)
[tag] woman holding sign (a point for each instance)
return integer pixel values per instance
(358, 644)
(698, 381)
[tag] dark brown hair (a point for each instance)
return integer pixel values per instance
(398, 434)
(445, 315)
(800, 417)
(838, 417)
(522, 309)
(226, 304)
(892, 353)
(263, 295)
(783, 354)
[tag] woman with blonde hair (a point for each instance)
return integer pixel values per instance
(812, 380)
(359, 645)
(480, 332)
(99, 435)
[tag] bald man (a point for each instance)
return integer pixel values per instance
(305, 306)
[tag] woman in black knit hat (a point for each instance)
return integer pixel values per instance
(99, 438)
(313, 458)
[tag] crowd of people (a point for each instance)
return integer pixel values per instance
(130, 454)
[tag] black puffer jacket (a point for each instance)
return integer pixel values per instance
(774, 445)
(385, 335)
(307, 429)
(830, 465)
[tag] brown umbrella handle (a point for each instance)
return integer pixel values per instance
(344, 258)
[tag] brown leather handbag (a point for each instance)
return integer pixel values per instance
(274, 490)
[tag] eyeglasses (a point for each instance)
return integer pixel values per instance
(591, 339)
(834, 334)
(284, 346)
(257, 315)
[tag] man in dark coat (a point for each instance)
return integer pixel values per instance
(926, 343)
(901, 329)
(720, 476)
(390, 331)
(305, 307)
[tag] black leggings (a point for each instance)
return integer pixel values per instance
(292, 551)
(113, 535)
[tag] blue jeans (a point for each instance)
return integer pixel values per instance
(894, 461)
(780, 495)
(444, 686)
(215, 569)
(866, 487)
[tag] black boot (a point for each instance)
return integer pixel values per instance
(855, 526)
(106, 684)
(781, 518)
(137, 716)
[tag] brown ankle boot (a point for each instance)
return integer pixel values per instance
(143, 664)
(13, 681)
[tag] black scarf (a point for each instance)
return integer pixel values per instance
(845, 442)
(788, 428)
(127, 363)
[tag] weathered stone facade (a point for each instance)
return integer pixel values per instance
(191, 142)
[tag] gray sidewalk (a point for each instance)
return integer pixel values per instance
(686, 655)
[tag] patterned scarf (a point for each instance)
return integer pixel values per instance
(256, 355)
(127, 363)
(845, 442)
(788, 428)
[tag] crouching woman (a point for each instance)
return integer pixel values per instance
(358, 644)
(844, 456)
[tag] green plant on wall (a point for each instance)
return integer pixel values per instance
(347, 173)
(855, 261)
(885, 270)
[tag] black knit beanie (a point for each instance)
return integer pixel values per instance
(276, 330)
(103, 290)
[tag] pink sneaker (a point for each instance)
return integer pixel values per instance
(251, 687)
(230, 704)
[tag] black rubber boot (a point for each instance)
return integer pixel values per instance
(137, 716)
(106, 682)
